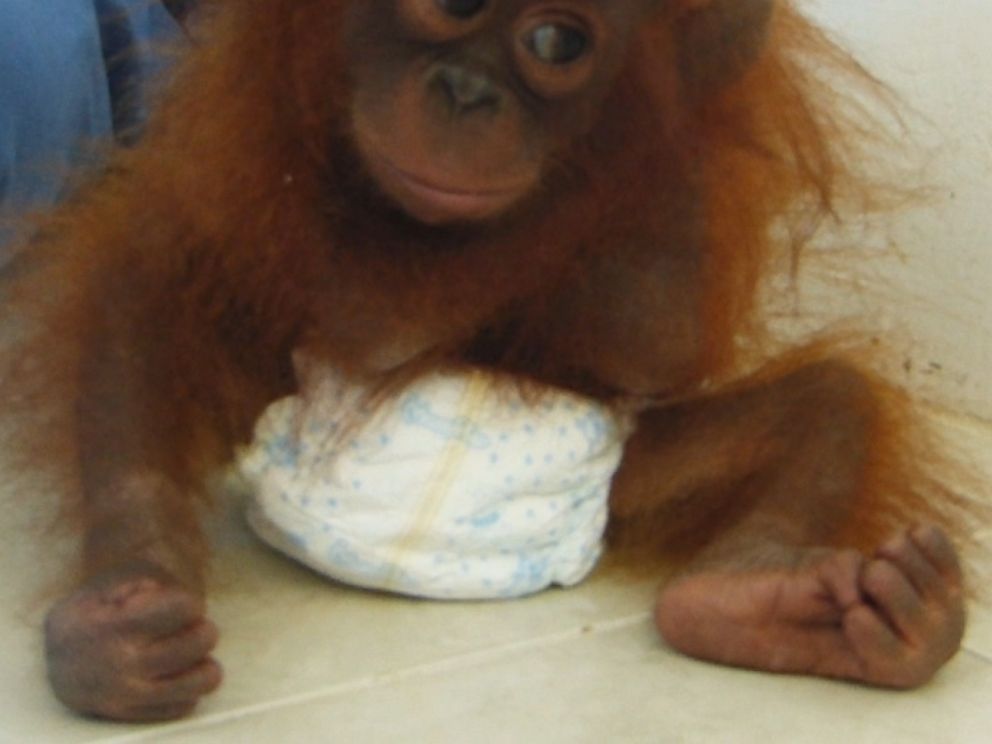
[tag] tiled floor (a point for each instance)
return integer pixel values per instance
(310, 662)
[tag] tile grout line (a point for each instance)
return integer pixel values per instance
(978, 655)
(427, 669)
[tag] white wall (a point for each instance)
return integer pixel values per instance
(937, 54)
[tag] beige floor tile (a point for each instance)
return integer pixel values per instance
(308, 661)
(339, 634)
(615, 685)
(286, 630)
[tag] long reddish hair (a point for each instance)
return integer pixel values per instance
(237, 226)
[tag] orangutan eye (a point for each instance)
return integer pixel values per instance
(461, 9)
(557, 43)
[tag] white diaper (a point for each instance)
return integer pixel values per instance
(456, 488)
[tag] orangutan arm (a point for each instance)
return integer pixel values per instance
(756, 488)
(132, 411)
(133, 641)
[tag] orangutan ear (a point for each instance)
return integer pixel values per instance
(718, 41)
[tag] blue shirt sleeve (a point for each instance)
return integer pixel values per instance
(134, 37)
(72, 74)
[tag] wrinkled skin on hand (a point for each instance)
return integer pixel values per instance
(131, 645)
(891, 619)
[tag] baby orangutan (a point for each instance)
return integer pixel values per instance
(574, 192)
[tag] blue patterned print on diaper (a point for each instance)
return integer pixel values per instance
(454, 489)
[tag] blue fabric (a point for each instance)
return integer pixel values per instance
(72, 73)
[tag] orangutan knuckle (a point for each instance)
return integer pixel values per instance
(881, 577)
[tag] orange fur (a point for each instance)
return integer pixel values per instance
(226, 231)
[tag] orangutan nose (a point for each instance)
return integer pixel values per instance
(465, 90)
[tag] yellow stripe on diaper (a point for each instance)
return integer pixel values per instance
(442, 477)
